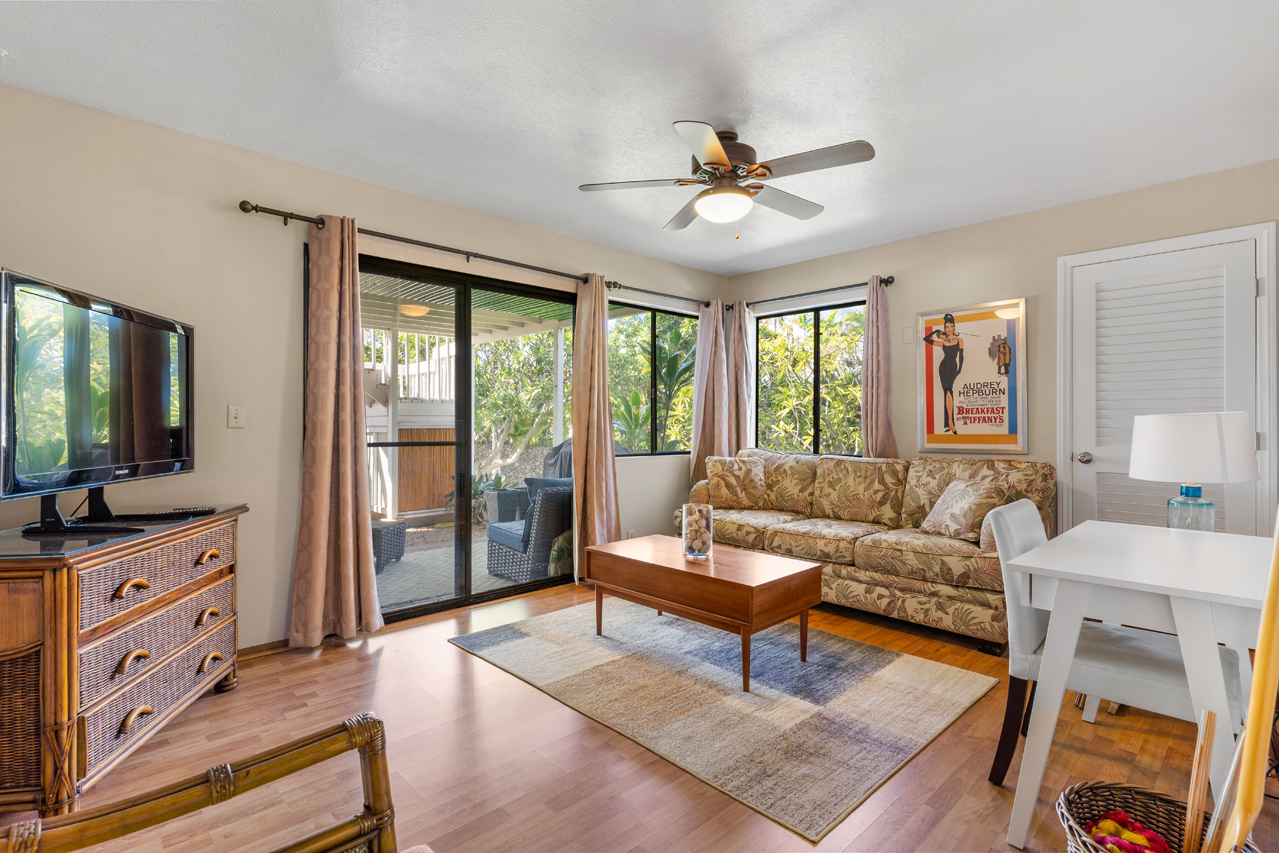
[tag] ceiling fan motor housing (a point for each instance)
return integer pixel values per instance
(739, 153)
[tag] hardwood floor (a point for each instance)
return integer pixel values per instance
(481, 761)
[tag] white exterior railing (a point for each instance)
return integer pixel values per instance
(425, 365)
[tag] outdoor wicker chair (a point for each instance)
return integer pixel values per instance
(521, 559)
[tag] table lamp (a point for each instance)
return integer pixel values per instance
(1208, 447)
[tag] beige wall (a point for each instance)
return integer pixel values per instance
(148, 217)
(1017, 256)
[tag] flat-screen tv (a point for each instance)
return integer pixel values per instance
(94, 392)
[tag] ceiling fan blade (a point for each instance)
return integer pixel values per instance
(686, 215)
(784, 202)
(634, 185)
(701, 140)
(822, 158)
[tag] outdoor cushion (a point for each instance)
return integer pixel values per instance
(826, 539)
(869, 490)
(788, 479)
(962, 508)
(510, 534)
(926, 556)
(745, 527)
(735, 483)
(930, 475)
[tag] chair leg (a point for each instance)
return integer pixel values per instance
(1090, 709)
(1008, 734)
(1030, 706)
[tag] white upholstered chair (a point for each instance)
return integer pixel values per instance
(1143, 669)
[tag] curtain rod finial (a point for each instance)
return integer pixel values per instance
(248, 207)
(888, 280)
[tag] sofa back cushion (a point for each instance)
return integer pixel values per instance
(788, 479)
(735, 483)
(930, 475)
(866, 490)
(961, 509)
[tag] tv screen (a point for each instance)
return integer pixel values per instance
(96, 392)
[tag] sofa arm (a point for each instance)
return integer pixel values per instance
(700, 493)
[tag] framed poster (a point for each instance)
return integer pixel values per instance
(972, 378)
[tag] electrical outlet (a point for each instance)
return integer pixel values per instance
(234, 416)
(630, 534)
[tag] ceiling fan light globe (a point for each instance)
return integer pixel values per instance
(727, 204)
(414, 310)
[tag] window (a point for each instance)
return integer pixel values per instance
(809, 398)
(650, 378)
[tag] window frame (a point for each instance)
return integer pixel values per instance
(816, 312)
(652, 378)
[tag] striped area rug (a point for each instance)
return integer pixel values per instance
(804, 748)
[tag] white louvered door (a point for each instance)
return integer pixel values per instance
(1162, 333)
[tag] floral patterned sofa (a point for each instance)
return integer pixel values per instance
(861, 519)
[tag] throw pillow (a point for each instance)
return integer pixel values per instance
(735, 483)
(961, 509)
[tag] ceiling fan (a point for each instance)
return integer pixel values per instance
(731, 175)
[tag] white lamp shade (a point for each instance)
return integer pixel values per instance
(1208, 447)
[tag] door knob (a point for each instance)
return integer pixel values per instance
(1085, 457)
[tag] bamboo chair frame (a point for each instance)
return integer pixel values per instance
(1261, 710)
(374, 826)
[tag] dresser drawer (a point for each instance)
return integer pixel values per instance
(158, 690)
(144, 644)
(112, 588)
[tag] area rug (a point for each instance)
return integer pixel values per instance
(808, 744)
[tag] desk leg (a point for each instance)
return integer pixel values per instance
(1059, 652)
(1198, 639)
(599, 610)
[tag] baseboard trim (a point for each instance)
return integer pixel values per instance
(263, 650)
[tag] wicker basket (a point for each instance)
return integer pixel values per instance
(1081, 804)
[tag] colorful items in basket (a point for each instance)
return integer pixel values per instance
(1119, 832)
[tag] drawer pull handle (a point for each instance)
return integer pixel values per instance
(127, 660)
(208, 661)
(132, 583)
(207, 614)
(132, 717)
(211, 554)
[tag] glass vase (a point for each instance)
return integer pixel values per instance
(1191, 510)
(698, 530)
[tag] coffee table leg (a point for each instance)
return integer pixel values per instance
(599, 610)
(746, 661)
(803, 636)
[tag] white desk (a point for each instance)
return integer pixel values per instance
(1207, 588)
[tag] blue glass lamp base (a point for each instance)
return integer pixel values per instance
(1191, 511)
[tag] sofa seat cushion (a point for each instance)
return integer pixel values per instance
(788, 479)
(510, 534)
(745, 527)
(868, 490)
(986, 599)
(825, 539)
(924, 556)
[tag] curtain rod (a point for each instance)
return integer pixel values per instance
(887, 280)
(612, 285)
(250, 207)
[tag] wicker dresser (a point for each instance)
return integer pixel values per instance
(102, 641)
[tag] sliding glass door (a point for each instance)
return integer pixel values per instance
(466, 385)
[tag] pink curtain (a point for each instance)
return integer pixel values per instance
(877, 428)
(594, 468)
(334, 591)
(740, 358)
(710, 390)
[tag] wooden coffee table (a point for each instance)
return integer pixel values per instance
(741, 592)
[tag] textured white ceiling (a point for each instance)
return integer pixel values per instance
(977, 108)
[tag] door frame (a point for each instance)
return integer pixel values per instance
(1263, 237)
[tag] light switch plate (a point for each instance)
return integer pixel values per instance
(908, 334)
(234, 416)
